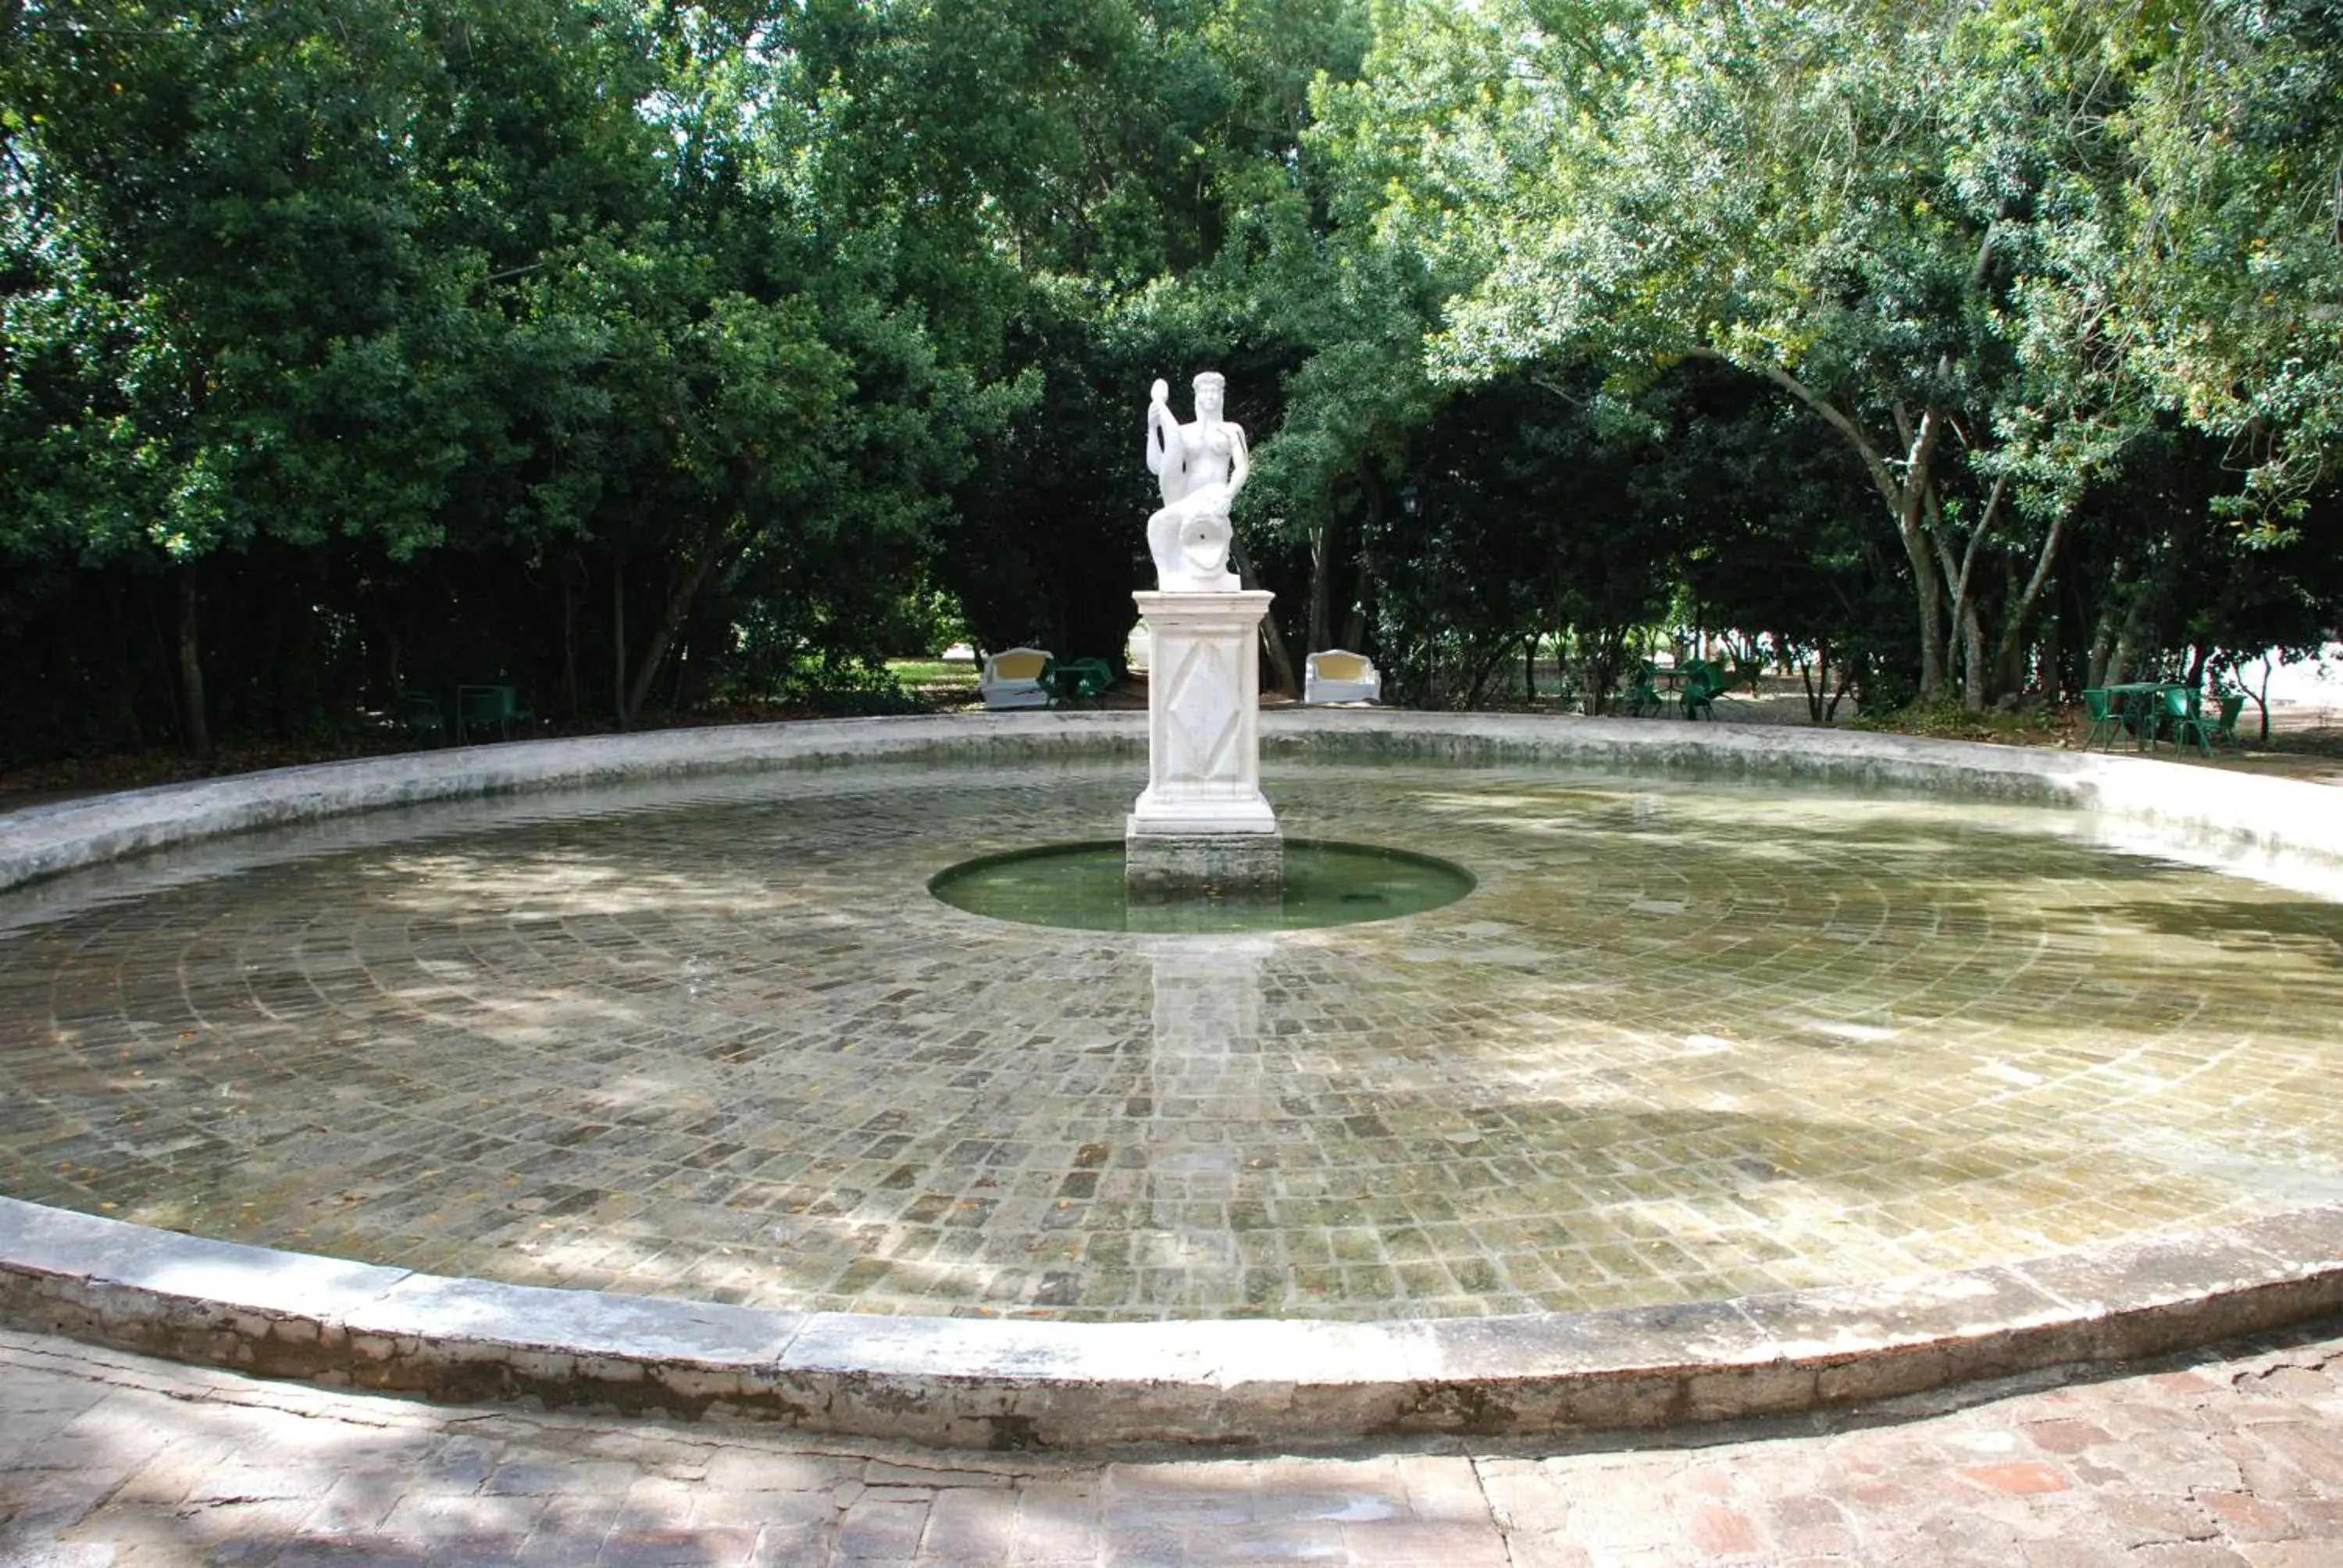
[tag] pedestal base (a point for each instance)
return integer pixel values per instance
(1202, 824)
(1161, 866)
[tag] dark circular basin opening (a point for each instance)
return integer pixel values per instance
(1081, 886)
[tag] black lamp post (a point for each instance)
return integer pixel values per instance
(1411, 501)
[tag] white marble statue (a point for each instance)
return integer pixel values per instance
(1202, 465)
(1202, 826)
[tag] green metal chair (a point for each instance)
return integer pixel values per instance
(1644, 694)
(418, 715)
(2106, 718)
(1085, 679)
(1704, 683)
(485, 707)
(2225, 726)
(2184, 715)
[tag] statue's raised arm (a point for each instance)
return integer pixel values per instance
(1165, 457)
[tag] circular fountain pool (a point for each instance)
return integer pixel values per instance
(1687, 1038)
(1082, 887)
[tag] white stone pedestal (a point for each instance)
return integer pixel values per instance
(1202, 824)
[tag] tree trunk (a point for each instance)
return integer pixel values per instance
(1976, 678)
(1975, 674)
(126, 669)
(572, 568)
(1928, 599)
(1321, 629)
(1904, 498)
(1477, 689)
(1354, 629)
(2008, 661)
(2052, 656)
(272, 656)
(196, 729)
(1913, 498)
(618, 635)
(2103, 647)
(1820, 703)
(1281, 659)
(672, 621)
(2127, 639)
(2027, 598)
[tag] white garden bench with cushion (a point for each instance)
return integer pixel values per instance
(1018, 677)
(1336, 674)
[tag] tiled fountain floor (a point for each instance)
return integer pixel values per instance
(1684, 1041)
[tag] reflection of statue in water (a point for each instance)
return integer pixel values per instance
(1202, 467)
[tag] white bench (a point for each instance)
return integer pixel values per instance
(1337, 676)
(1016, 678)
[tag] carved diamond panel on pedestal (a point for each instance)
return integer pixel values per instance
(1202, 720)
(1203, 824)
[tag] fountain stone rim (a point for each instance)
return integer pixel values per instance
(1038, 1383)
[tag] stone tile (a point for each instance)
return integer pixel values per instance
(668, 1548)
(655, 1503)
(546, 1479)
(882, 1527)
(1719, 1530)
(271, 1480)
(430, 1515)
(762, 1470)
(1060, 1521)
(1443, 1544)
(1671, 1005)
(1439, 1489)
(365, 1551)
(2246, 1518)
(778, 1547)
(971, 1525)
(1911, 1484)
(44, 1504)
(485, 1550)
(1529, 1100)
(761, 1509)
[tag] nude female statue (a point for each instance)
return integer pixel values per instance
(1203, 466)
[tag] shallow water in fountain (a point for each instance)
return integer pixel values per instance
(1081, 886)
(1683, 1040)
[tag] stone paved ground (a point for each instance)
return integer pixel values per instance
(1686, 1039)
(2233, 1455)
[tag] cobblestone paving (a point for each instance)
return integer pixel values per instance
(1685, 1040)
(2227, 1457)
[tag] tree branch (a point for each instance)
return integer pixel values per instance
(1960, 582)
(2021, 612)
(1984, 255)
(1874, 462)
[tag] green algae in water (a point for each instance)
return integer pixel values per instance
(1079, 886)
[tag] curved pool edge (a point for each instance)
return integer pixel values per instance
(1019, 1384)
(1031, 1382)
(2246, 823)
(45, 841)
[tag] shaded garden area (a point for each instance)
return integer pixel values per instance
(676, 363)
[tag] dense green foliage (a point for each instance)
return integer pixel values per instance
(650, 354)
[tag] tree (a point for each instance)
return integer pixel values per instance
(2233, 288)
(1914, 222)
